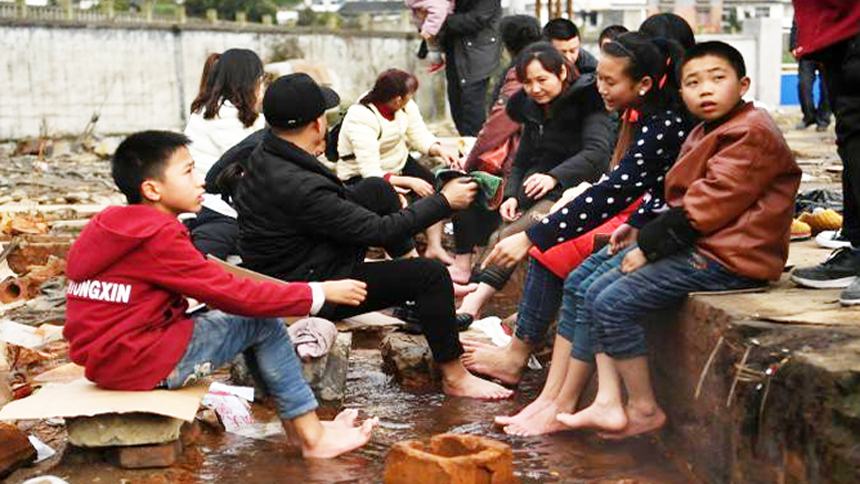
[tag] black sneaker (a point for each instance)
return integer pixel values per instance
(850, 296)
(838, 271)
(408, 313)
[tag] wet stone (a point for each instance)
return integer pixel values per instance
(409, 359)
(450, 459)
(326, 375)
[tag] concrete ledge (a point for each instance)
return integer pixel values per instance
(780, 400)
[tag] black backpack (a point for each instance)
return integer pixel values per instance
(333, 134)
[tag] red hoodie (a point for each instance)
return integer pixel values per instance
(128, 273)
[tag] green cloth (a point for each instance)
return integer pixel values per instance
(488, 185)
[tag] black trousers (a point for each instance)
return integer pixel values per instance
(378, 196)
(842, 64)
(425, 281)
(806, 72)
(467, 100)
(214, 233)
(473, 227)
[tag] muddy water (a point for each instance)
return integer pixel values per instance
(568, 458)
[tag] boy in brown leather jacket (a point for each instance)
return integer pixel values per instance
(731, 201)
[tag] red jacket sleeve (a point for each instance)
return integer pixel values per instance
(179, 267)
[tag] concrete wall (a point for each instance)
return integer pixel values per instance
(54, 77)
(137, 78)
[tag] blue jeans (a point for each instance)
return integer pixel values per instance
(219, 337)
(574, 325)
(615, 303)
(539, 304)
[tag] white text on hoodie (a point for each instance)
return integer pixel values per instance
(100, 291)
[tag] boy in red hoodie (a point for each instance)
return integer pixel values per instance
(130, 271)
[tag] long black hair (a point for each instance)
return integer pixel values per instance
(234, 76)
(654, 58)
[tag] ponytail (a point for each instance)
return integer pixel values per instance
(654, 58)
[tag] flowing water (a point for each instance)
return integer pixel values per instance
(566, 458)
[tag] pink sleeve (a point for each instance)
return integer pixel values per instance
(437, 11)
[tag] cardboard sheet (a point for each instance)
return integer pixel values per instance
(81, 398)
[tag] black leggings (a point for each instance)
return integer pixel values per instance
(411, 168)
(425, 281)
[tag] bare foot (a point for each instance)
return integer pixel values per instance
(495, 362)
(461, 290)
(470, 386)
(471, 305)
(346, 418)
(439, 253)
(527, 411)
(609, 418)
(336, 441)
(539, 423)
(638, 422)
(459, 275)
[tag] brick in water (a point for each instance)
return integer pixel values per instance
(144, 456)
(15, 449)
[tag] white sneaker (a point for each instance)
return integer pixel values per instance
(832, 239)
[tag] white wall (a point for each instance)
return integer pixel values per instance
(140, 78)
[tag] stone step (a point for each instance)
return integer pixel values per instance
(762, 388)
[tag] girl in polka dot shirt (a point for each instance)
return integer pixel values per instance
(634, 78)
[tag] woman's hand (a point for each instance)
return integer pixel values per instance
(633, 261)
(417, 185)
(508, 210)
(621, 238)
(509, 251)
(538, 185)
(450, 156)
(348, 292)
(569, 195)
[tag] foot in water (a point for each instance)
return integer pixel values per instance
(493, 361)
(541, 422)
(531, 409)
(440, 254)
(470, 386)
(339, 439)
(601, 417)
(639, 422)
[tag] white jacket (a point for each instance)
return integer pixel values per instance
(377, 154)
(210, 138)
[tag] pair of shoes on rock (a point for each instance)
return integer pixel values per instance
(839, 271)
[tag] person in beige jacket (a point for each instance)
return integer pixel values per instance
(376, 137)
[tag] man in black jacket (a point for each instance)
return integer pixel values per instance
(473, 52)
(298, 222)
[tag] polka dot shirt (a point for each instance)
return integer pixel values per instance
(657, 140)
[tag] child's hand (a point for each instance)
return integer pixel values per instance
(569, 195)
(348, 292)
(633, 261)
(508, 210)
(621, 238)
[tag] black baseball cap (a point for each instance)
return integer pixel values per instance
(295, 100)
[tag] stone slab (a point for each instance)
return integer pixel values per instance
(450, 459)
(123, 430)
